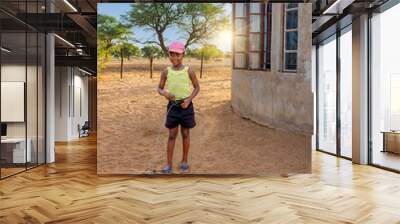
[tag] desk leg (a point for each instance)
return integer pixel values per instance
(384, 142)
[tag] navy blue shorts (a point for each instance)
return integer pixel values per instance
(179, 116)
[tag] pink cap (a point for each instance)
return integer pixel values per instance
(177, 47)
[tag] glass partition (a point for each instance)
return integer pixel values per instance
(346, 93)
(14, 153)
(327, 96)
(22, 89)
(385, 89)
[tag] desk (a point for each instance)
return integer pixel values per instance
(391, 141)
(16, 147)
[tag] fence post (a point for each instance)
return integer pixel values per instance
(151, 67)
(201, 64)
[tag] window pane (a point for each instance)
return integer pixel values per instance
(240, 10)
(240, 60)
(255, 23)
(291, 61)
(327, 97)
(240, 44)
(346, 94)
(291, 40)
(254, 62)
(254, 42)
(395, 104)
(385, 88)
(240, 26)
(254, 7)
(291, 19)
(291, 5)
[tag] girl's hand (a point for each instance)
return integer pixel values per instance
(168, 95)
(186, 103)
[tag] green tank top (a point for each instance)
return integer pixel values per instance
(178, 82)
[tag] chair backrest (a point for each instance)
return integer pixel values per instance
(86, 125)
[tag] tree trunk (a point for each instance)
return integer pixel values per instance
(201, 65)
(122, 63)
(151, 67)
(161, 40)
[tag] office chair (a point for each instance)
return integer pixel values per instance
(84, 130)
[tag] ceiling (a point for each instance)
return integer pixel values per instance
(331, 15)
(74, 22)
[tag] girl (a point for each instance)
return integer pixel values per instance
(180, 110)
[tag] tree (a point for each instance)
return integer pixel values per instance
(199, 21)
(155, 18)
(190, 52)
(202, 21)
(109, 31)
(128, 49)
(124, 50)
(102, 55)
(151, 52)
(208, 51)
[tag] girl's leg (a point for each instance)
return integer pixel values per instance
(173, 132)
(186, 143)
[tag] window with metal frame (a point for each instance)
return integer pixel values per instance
(240, 35)
(267, 36)
(255, 31)
(290, 37)
(252, 36)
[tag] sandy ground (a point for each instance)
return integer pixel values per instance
(132, 138)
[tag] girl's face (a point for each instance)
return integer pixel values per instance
(176, 58)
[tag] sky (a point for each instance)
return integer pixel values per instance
(223, 42)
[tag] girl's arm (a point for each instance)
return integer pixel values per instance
(161, 85)
(195, 84)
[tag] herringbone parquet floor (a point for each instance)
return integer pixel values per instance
(69, 191)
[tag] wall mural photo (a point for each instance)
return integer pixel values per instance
(204, 88)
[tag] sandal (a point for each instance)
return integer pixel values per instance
(167, 169)
(184, 166)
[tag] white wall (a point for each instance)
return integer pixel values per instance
(62, 80)
(82, 82)
(12, 73)
(71, 87)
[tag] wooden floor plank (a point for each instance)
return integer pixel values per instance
(70, 191)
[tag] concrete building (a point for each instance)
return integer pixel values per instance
(271, 78)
